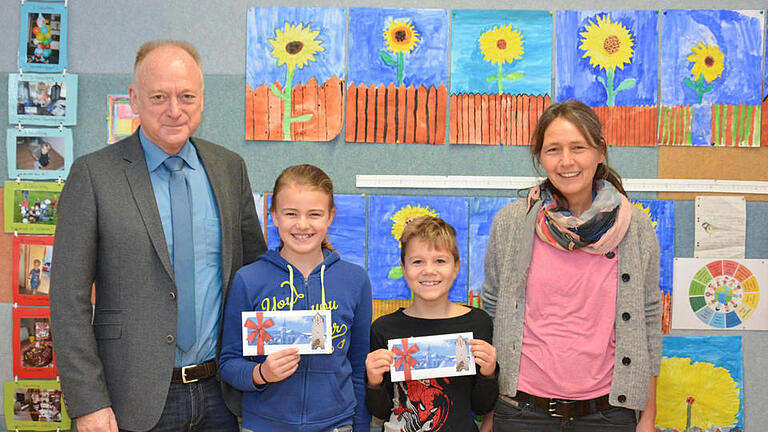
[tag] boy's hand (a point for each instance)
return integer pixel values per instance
(278, 366)
(485, 356)
(377, 364)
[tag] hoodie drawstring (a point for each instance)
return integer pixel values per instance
(293, 288)
(290, 284)
(322, 286)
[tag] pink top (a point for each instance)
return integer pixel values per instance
(569, 337)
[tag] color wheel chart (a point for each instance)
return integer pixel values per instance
(719, 294)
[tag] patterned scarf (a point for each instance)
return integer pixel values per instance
(598, 230)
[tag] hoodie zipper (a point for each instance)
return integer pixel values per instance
(308, 359)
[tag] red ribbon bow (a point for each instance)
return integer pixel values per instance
(259, 331)
(405, 358)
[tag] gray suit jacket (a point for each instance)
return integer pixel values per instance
(109, 233)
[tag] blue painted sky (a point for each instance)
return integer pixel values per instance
(722, 351)
(261, 23)
(576, 79)
(469, 71)
(427, 64)
(738, 34)
(663, 213)
(481, 213)
(385, 254)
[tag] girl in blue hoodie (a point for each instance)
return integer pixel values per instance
(283, 391)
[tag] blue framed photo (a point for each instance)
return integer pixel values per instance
(43, 37)
(42, 99)
(43, 153)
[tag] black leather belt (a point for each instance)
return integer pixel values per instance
(563, 407)
(192, 373)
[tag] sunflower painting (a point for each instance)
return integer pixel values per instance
(481, 213)
(711, 62)
(397, 75)
(700, 387)
(608, 60)
(501, 69)
(387, 216)
(764, 128)
(294, 73)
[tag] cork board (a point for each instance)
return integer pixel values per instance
(722, 163)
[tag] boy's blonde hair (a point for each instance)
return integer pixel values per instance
(433, 230)
(310, 177)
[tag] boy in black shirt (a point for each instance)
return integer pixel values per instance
(430, 262)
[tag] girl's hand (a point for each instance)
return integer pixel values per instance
(278, 366)
(485, 356)
(377, 364)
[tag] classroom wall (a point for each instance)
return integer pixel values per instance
(103, 37)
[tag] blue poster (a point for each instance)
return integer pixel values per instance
(346, 233)
(387, 218)
(482, 210)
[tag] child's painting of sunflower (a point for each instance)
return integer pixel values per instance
(400, 36)
(387, 217)
(502, 44)
(295, 45)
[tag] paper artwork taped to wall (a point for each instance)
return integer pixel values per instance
(764, 128)
(701, 384)
(398, 60)
(43, 37)
(482, 210)
(39, 153)
(608, 60)
(31, 276)
(122, 122)
(501, 72)
(33, 355)
(294, 73)
(34, 405)
(387, 218)
(346, 234)
(662, 215)
(31, 207)
(42, 99)
(719, 294)
(711, 62)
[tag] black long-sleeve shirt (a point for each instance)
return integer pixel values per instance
(436, 404)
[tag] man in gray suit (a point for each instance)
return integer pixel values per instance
(145, 358)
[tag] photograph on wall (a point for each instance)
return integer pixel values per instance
(398, 75)
(33, 355)
(437, 356)
(122, 122)
(501, 75)
(265, 332)
(608, 60)
(719, 294)
(34, 405)
(39, 153)
(346, 233)
(388, 215)
(42, 99)
(711, 74)
(294, 73)
(662, 216)
(43, 37)
(32, 258)
(30, 207)
(701, 385)
(482, 210)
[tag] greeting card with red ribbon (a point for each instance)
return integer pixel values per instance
(265, 332)
(434, 356)
(258, 331)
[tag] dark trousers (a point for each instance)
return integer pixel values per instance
(528, 418)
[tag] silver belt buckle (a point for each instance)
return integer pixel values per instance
(184, 375)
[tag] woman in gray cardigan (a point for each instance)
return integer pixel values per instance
(571, 280)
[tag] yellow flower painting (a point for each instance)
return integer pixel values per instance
(708, 65)
(400, 38)
(608, 45)
(502, 45)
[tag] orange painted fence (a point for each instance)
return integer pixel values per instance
(264, 111)
(494, 119)
(629, 125)
(396, 114)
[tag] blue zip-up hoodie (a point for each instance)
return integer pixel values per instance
(326, 391)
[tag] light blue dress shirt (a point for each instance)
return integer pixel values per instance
(207, 243)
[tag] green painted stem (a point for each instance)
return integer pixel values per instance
(688, 419)
(400, 66)
(609, 86)
(288, 92)
(500, 79)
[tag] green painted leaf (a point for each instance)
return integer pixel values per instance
(386, 58)
(690, 83)
(491, 79)
(277, 92)
(602, 81)
(708, 88)
(626, 84)
(301, 118)
(513, 76)
(396, 273)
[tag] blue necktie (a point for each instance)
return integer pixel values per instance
(183, 253)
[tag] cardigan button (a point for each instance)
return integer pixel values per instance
(626, 361)
(625, 277)
(169, 339)
(626, 316)
(610, 255)
(622, 398)
(172, 295)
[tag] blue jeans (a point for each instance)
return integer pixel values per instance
(527, 418)
(347, 428)
(196, 407)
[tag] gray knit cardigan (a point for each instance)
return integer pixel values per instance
(638, 301)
